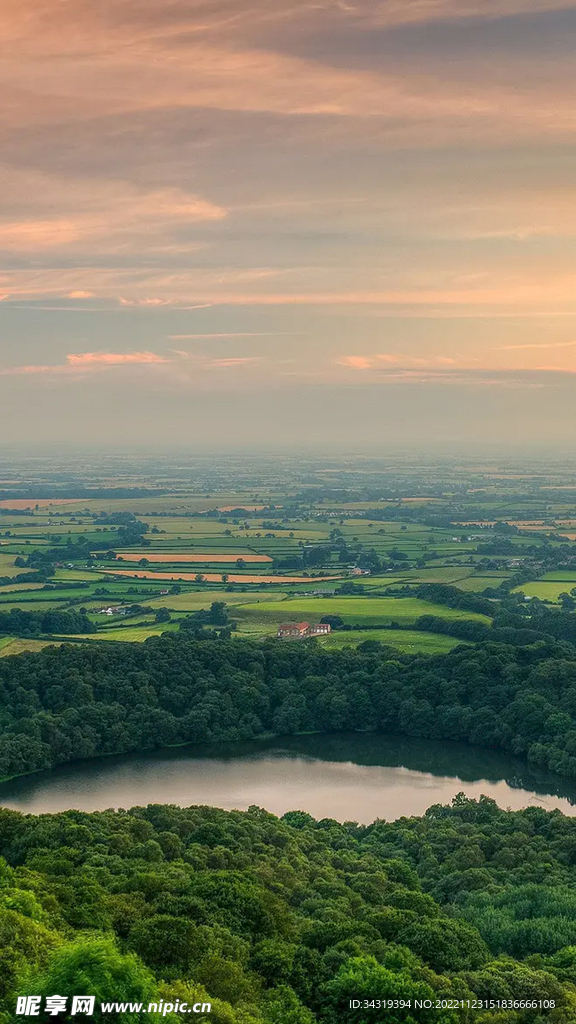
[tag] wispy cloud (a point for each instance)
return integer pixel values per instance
(235, 361)
(133, 61)
(441, 370)
(536, 345)
(81, 363)
(106, 215)
(386, 12)
(387, 361)
(86, 361)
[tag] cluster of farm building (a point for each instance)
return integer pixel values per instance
(297, 630)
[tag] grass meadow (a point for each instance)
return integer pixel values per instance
(354, 610)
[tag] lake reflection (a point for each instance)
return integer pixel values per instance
(348, 777)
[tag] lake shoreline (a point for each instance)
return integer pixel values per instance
(350, 774)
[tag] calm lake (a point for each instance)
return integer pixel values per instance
(354, 776)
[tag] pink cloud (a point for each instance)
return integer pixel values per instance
(356, 362)
(113, 358)
(80, 363)
(393, 360)
(83, 361)
(14, 370)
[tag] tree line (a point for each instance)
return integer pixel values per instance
(17, 622)
(78, 701)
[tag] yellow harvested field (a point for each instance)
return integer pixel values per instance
(196, 556)
(7, 567)
(17, 588)
(19, 646)
(246, 508)
(23, 503)
(213, 577)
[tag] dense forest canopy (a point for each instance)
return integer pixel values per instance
(282, 921)
(70, 702)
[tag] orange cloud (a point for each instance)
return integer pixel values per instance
(79, 363)
(356, 362)
(104, 214)
(113, 358)
(395, 361)
(83, 361)
(538, 345)
(72, 61)
(542, 289)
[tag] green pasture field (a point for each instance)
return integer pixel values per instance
(361, 610)
(463, 577)
(105, 620)
(546, 591)
(33, 606)
(195, 600)
(130, 634)
(410, 641)
(476, 584)
(37, 595)
(368, 582)
(562, 576)
(441, 574)
(412, 577)
(78, 575)
(254, 628)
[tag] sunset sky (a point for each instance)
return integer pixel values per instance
(275, 221)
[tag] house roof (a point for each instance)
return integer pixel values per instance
(294, 625)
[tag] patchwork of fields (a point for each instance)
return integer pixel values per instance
(267, 564)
